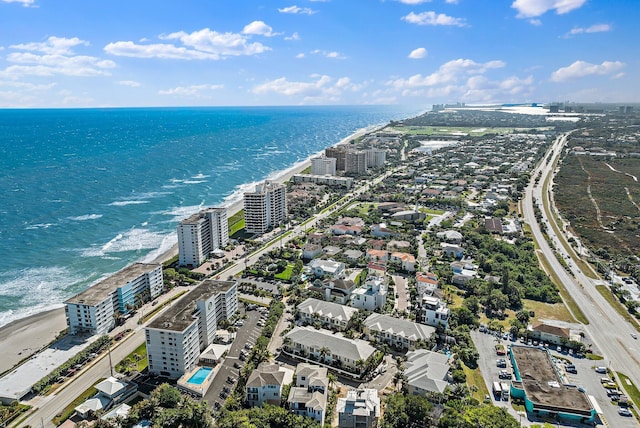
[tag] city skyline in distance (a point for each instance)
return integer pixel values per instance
(304, 52)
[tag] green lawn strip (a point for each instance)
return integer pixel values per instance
(566, 297)
(285, 275)
(554, 311)
(158, 308)
(594, 357)
(632, 391)
(430, 211)
(68, 411)
(141, 361)
(237, 227)
(474, 378)
(619, 307)
(554, 220)
(255, 302)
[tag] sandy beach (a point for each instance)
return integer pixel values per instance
(23, 337)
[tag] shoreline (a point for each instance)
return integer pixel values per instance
(29, 334)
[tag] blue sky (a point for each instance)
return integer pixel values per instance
(93, 53)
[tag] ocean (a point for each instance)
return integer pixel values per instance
(85, 192)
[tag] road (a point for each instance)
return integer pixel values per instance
(609, 331)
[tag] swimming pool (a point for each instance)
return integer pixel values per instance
(199, 377)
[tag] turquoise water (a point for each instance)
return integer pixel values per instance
(200, 376)
(85, 192)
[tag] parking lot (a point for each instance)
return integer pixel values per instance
(247, 334)
(586, 377)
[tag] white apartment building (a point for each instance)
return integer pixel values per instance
(375, 157)
(201, 234)
(93, 310)
(177, 337)
(371, 296)
(329, 180)
(309, 395)
(265, 208)
(265, 383)
(323, 165)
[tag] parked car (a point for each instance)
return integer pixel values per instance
(231, 379)
(501, 362)
(504, 374)
(571, 368)
(623, 411)
(601, 369)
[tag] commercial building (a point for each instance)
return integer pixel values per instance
(265, 208)
(359, 409)
(177, 337)
(540, 386)
(323, 165)
(201, 234)
(94, 310)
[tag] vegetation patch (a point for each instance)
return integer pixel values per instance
(477, 386)
(553, 311)
(135, 361)
(619, 307)
(631, 389)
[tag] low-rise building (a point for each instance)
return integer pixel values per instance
(94, 311)
(407, 261)
(330, 268)
(371, 296)
(359, 409)
(435, 312)
(426, 283)
(328, 348)
(399, 333)
(309, 395)
(550, 333)
(426, 372)
(265, 383)
(330, 315)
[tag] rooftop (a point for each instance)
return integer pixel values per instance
(195, 218)
(352, 349)
(427, 370)
(180, 315)
(542, 384)
(398, 327)
(328, 309)
(266, 374)
(98, 292)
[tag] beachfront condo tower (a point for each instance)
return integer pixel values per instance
(95, 310)
(202, 234)
(265, 208)
(323, 165)
(176, 338)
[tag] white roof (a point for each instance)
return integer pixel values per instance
(398, 327)
(328, 309)
(93, 404)
(427, 370)
(111, 386)
(352, 349)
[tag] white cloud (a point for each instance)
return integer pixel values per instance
(54, 57)
(129, 83)
(418, 53)
(322, 89)
(258, 28)
(54, 45)
(452, 1)
(300, 56)
(297, 10)
(414, 2)
(432, 18)
(596, 28)
(191, 91)
(535, 22)
(294, 36)
(329, 54)
(448, 72)
(25, 3)
(581, 69)
(201, 44)
(534, 8)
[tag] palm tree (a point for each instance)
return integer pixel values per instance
(324, 351)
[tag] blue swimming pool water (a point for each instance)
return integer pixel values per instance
(199, 376)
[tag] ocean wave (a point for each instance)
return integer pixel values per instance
(167, 242)
(200, 176)
(180, 213)
(86, 217)
(132, 240)
(39, 226)
(124, 203)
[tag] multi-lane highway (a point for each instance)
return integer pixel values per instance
(608, 330)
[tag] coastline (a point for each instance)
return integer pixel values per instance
(25, 336)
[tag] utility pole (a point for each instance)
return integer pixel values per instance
(110, 362)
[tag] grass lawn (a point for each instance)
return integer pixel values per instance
(70, 409)
(430, 211)
(615, 303)
(555, 311)
(236, 227)
(474, 378)
(137, 359)
(451, 292)
(285, 275)
(630, 388)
